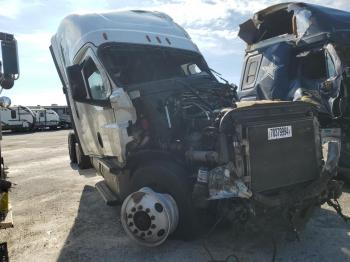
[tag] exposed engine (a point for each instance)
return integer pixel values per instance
(178, 116)
(226, 146)
(245, 157)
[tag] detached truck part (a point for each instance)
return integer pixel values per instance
(169, 139)
(300, 51)
(9, 72)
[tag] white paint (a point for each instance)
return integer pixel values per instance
(270, 69)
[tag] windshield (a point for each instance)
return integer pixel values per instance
(137, 64)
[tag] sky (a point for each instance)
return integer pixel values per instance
(212, 24)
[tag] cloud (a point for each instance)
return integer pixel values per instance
(206, 22)
(212, 24)
(13, 8)
(37, 39)
(87, 6)
(34, 96)
(339, 4)
(216, 42)
(10, 9)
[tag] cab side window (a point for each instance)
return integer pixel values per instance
(251, 71)
(331, 72)
(94, 81)
(190, 69)
(313, 65)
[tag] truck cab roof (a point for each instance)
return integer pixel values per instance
(135, 26)
(295, 22)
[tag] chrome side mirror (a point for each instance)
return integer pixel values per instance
(5, 101)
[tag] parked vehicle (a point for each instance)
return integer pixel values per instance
(170, 139)
(298, 51)
(45, 118)
(63, 113)
(17, 118)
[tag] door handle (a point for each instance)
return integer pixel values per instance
(99, 138)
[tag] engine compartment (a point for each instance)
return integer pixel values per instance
(223, 142)
(178, 115)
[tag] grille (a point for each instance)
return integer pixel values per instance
(285, 157)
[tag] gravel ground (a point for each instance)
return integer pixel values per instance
(59, 216)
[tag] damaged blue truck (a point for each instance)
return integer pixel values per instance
(300, 52)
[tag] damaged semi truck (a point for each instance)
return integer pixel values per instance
(171, 141)
(298, 51)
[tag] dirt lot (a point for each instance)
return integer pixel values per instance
(59, 216)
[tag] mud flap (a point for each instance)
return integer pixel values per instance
(4, 256)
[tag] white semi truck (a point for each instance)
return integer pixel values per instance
(170, 139)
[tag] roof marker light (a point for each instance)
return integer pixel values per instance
(158, 39)
(167, 39)
(148, 38)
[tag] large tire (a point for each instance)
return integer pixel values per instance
(344, 161)
(71, 148)
(83, 161)
(167, 177)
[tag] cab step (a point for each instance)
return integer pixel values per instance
(108, 196)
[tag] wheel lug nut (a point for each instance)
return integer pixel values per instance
(158, 207)
(161, 232)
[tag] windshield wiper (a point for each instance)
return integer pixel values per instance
(218, 75)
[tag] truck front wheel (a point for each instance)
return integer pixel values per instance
(167, 179)
(83, 161)
(71, 148)
(344, 161)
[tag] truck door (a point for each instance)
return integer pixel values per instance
(319, 75)
(266, 74)
(98, 134)
(334, 86)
